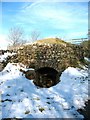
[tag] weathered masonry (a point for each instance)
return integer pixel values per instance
(49, 61)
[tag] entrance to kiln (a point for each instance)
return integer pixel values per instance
(46, 77)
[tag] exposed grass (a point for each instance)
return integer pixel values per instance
(48, 102)
(36, 98)
(41, 109)
(51, 41)
(27, 112)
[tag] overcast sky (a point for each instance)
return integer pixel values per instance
(52, 19)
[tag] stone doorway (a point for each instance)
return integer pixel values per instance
(46, 77)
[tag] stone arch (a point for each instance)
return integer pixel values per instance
(46, 77)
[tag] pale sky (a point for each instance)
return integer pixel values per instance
(67, 20)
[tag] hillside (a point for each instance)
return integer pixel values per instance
(86, 43)
(22, 99)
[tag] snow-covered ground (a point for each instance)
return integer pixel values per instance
(20, 98)
(3, 57)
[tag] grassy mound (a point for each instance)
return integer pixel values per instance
(51, 41)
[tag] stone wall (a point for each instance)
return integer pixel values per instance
(54, 56)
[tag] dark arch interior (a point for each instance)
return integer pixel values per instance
(46, 77)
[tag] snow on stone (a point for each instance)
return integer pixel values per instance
(3, 57)
(22, 99)
(87, 59)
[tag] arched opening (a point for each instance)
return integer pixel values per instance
(46, 77)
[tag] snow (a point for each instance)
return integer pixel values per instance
(3, 57)
(87, 59)
(22, 99)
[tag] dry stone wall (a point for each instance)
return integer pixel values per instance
(55, 56)
(48, 60)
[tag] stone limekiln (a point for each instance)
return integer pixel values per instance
(49, 60)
